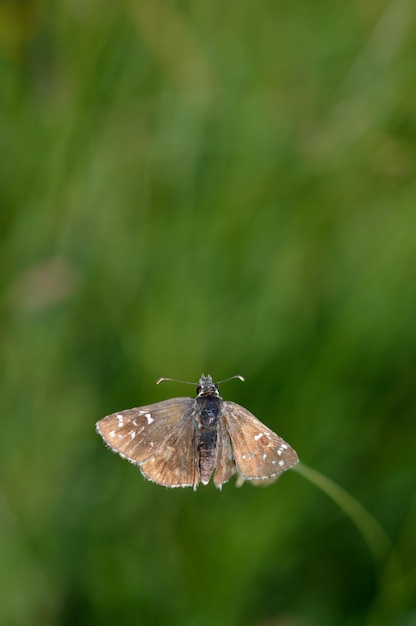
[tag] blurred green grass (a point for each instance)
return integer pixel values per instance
(186, 188)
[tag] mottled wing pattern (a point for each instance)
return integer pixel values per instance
(138, 434)
(225, 464)
(176, 463)
(258, 452)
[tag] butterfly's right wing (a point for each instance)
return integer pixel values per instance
(225, 464)
(259, 453)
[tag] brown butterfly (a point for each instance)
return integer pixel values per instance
(180, 442)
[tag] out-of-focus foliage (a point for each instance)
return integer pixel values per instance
(218, 187)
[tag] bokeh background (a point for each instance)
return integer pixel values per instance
(217, 187)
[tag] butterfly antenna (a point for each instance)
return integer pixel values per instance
(175, 380)
(231, 378)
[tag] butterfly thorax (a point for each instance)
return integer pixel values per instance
(209, 411)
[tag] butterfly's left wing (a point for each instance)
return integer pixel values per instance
(137, 434)
(175, 463)
(159, 438)
(258, 452)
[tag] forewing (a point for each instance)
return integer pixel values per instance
(225, 464)
(175, 463)
(137, 434)
(258, 452)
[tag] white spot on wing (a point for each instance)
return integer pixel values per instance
(120, 420)
(281, 462)
(132, 434)
(149, 418)
(112, 433)
(259, 436)
(264, 456)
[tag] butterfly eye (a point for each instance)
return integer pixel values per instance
(198, 389)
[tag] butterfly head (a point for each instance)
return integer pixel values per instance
(206, 387)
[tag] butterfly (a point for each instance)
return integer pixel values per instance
(181, 442)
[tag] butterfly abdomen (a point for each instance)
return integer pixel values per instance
(207, 425)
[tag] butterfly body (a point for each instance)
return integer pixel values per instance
(208, 412)
(180, 442)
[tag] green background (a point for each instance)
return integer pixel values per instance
(218, 187)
